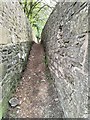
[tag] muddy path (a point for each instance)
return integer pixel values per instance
(36, 93)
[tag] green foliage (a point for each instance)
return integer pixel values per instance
(37, 13)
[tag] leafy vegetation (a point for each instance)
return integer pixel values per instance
(37, 13)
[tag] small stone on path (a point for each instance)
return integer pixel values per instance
(14, 102)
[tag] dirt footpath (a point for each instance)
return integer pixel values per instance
(36, 93)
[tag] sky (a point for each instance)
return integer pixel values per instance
(50, 2)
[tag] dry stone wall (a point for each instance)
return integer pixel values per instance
(65, 38)
(15, 40)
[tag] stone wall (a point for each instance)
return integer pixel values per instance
(65, 38)
(15, 40)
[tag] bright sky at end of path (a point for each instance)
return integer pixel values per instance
(50, 2)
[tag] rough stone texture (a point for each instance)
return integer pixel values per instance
(65, 38)
(15, 39)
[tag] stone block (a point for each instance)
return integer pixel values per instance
(3, 70)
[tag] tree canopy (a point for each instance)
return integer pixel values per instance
(37, 12)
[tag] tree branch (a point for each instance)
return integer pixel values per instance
(40, 10)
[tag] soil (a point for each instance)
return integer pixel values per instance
(36, 92)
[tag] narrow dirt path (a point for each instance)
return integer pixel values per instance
(36, 93)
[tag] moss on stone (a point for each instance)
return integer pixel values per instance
(4, 105)
(0, 110)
